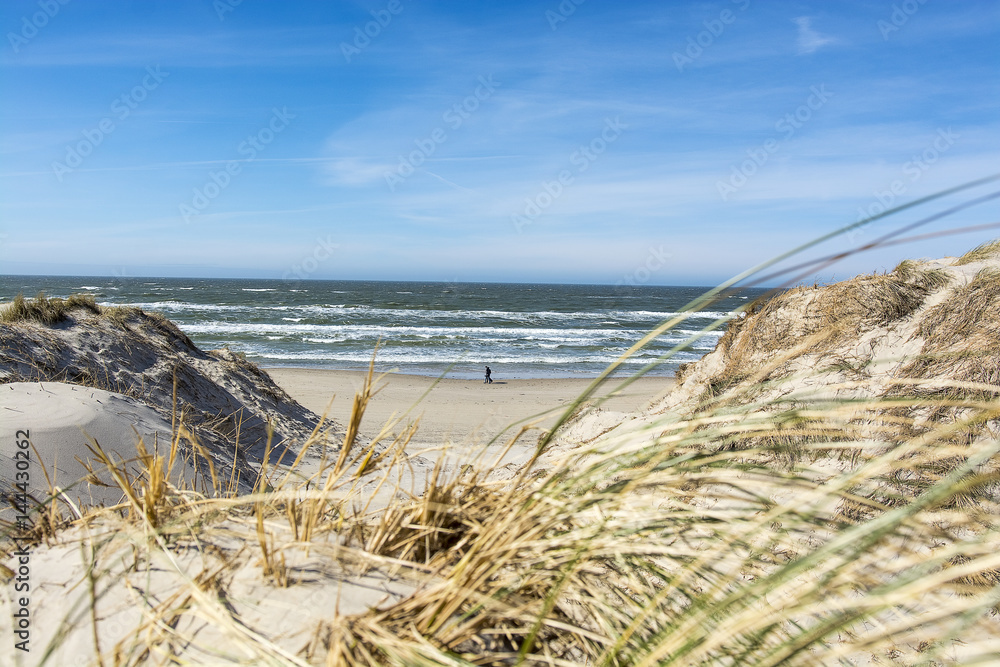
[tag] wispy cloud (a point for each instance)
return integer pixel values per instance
(809, 40)
(355, 172)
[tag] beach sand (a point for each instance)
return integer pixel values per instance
(453, 411)
(56, 424)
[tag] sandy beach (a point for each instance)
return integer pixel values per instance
(456, 411)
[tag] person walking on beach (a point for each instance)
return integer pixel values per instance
(488, 379)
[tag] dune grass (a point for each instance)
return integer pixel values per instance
(54, 310)
(911, 271)
(962, 337)
(981, 252)
(45, 310)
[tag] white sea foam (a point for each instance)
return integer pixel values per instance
(369, 330)
(388, 357)
(617, 317)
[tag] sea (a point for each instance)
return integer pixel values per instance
(423, 328)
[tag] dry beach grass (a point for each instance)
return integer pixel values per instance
(821, 489)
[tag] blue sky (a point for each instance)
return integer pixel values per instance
(574, 141)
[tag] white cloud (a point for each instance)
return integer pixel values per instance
(355, 172)
(809, 40)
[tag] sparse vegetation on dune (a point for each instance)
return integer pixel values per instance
(980, 253)
(821, 489)
(44, 310)
(961, 343)
(914, 272)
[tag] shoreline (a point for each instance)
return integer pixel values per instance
(463, 372)
(454, 410)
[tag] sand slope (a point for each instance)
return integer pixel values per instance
(60, 421)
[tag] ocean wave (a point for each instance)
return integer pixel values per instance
(375, 330)
(707, 314)
(714, 333)
(174, 306)
(389, 357)
(599, 317)
(293, 325)
(334, 339)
